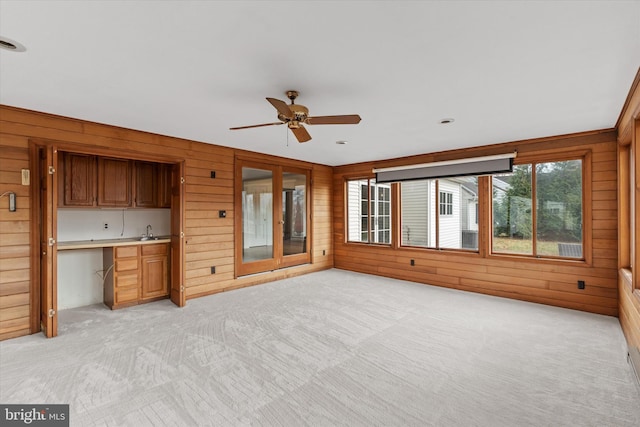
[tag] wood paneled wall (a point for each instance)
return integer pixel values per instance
(628, 127)
(552, 282)
(14, 240)
(209, 239)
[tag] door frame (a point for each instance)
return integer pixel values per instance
(304, 257)
(177, 291)
(278, 260)
(43, 289)
(39, 293)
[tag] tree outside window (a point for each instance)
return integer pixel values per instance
(544, 219)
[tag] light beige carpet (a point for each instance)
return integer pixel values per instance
(329, 349)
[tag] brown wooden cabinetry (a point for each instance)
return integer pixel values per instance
(155, 271)
(164, 185)
(121, 286)
(136, 274)
(114, 182)
(146, 186)
(95, 181)
(78, 183)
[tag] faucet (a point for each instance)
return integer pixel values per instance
(149, 233)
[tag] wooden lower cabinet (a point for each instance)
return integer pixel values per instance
(136, 274)
(155, 271)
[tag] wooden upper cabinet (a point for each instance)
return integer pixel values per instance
(146, 185)
(114, 182)
(78, 182)
(164, 185)
(95, 181)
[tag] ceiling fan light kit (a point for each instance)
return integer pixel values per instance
(295, 115)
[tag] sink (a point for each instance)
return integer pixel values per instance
(146, 238)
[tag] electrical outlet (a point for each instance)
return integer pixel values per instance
(581, 284)
(106, 226)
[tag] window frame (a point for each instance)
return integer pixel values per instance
(634, 165)
(587, 206)
(372, 216)
(449, 206)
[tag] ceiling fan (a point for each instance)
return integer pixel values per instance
(294, 115)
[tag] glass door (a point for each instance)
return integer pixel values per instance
(274, 217)
(295, 219)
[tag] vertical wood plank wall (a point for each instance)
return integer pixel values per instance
(535, 280)
(209, 239)
(629, 210)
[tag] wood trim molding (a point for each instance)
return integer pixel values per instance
(34, 239)
(635, 203)
(106, 152)
(630, 111)
(624, 193)
(537, 146)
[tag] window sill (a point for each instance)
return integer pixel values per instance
(441, 250)
(529, 258)
(382, 245)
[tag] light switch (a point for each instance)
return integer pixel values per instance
(26, 177)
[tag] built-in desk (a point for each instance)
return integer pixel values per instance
(135, 271)
(109, 243)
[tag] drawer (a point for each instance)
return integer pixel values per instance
(126, 251)
(126, 264)
(124, 280)
(126, 295)
(159, 249)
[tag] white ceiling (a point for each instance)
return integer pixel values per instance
(191, 69)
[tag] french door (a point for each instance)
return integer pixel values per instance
(274, 220)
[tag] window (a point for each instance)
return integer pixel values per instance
(446, 221)
(538, 209)
(446, 203)
(369, 211)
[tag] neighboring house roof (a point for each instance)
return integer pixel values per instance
(500, 184)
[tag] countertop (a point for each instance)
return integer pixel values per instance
(109, 243)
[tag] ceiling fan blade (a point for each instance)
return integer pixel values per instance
(301, 133)
(352, 119)
(282, 107)
(256, 126)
